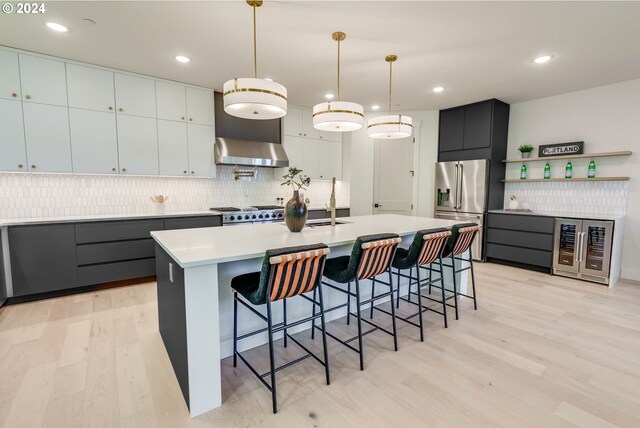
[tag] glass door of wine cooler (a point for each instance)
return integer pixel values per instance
(595, 247)
(566, 246)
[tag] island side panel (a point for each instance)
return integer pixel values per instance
(203, 338)
(172, 319)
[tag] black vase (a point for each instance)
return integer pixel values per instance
(295, 213)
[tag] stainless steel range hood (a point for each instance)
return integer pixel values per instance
(230, 151)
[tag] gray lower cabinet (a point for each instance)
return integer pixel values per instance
(3, 284)
(523, 240)
(55, 257)
(43, 258)
(319, 214)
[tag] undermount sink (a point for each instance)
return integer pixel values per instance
(322, 223)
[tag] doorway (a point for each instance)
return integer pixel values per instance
(393, 176)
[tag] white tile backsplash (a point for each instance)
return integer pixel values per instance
(597, 197)
(47, 195)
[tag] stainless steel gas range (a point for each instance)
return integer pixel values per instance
(232, 216)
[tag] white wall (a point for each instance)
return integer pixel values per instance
(425, 156)
(606, 118)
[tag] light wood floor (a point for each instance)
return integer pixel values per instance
(540, 351)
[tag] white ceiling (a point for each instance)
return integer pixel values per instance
(477, 50)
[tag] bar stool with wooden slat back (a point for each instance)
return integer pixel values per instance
(371, 256)
(459, 242)
(286, 273)
(425, 253)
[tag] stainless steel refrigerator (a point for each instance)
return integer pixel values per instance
(461, 195)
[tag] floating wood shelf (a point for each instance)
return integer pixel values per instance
(568, 180)
(580, 156)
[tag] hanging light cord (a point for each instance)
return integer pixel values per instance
(338, 98)
(255, 44)
(390, 73)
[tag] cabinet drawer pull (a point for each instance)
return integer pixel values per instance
(124, 169)
(190, 119)
(192, 172)
(28, 97)
(19, 165)
(33, 166)
(110, 108)
(182, 118)
(13, 94)
(113, 169)
(185, 172)
(120, 109)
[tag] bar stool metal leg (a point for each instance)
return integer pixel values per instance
(272, 359)
(444, 298)
(373, 295)
(361, 353)
(313, 321)
(473, 280)
(324, 335)
(393, 312)
(284, 313)
(349, 304)
(420, 304)
(235, 330)
(455, 285)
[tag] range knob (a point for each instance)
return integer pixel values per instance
(279, 215)
(253, 217)
(260, 216)
(246, 217)
(232, 218)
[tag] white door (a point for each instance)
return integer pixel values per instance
(310, 155)
(135, 95)
(308, 130)
(9, 76)
(172, 148)
(43, 80)
(137, 145)
(292, 122)
(90, 88)
(330, 160)
(172, 101)
(13, 155)
(47, 137)
(393, 176)
(200, 106)
(94, 143)
(201, 161)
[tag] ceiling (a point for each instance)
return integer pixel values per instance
(476, 50)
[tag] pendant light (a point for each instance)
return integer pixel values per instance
(254, 98)
(338, 116)
(390, 126)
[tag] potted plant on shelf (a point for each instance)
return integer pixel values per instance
(525, 150)
(295, 212)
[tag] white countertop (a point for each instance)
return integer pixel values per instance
(102, 217)
(194, 247)
(588, 216)
(19, 221)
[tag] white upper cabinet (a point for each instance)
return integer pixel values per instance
(292, 122)
(137, 145)
(330, 136)
(90, 88)
(43, 80)
(47, 137)
(172, 102)
(135, 96)
(330, 160)
(308, 131)
(201, 159)
(172, 148)
(94, 143)
(9, 76)
(310, 156)
(200, 106)
(13, 155)
(293, 148)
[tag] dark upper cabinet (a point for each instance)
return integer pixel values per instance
(452, 130)
(43, 258)
(477, 125)
(474, 131)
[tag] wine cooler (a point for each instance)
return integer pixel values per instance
(582, 249)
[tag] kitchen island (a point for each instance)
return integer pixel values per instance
(194, 269)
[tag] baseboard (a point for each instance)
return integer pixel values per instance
(631, 275)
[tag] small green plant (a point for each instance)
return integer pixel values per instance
(296, 179)
(525, 148)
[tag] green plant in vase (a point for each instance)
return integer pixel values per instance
(295, 211)
(525, 150)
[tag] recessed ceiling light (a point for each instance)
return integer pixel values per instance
(438, 89)
(329, 96)
(542, 59)
(57, 27)
(375, 107)
(183, 59)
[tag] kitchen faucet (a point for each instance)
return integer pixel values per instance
(332, 202)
